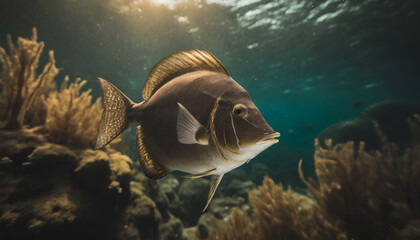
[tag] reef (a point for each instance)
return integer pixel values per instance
(359, 194)
(66, 116)
(53, 185)
(50, 191)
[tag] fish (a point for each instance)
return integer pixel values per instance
(194, 118)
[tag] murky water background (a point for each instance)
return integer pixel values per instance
(306, 64)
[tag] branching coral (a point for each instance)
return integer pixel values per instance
(71, 118)
(68, 116)
(240, 226)
(20, 86)
(359, 195)
(278, 214)
(373, 195)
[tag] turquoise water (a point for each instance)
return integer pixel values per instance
(306, 64)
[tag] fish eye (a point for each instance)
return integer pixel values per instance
(240, 110)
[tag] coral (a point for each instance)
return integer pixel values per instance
(48, 191)
(67, 116)
(372, 195)
(71, 117)
(240, 226)
(360, 194)
(21, 89)
(277, 214)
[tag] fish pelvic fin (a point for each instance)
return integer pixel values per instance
(215, 180)
(151, 168)
(200, 174)
(189, 130)
(114, 118)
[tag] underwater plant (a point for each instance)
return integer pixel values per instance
(21, 89)
(72, 118)
(277, 213)
(371, 195)
(359, 194)
(67, 116)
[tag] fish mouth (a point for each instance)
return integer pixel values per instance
(269, 138)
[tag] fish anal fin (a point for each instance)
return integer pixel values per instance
(215, 180)
(179, 63)
(149, 165)
(188, 129)
(200, 174)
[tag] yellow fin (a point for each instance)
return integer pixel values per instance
(150, 166)
(215, 180)
(179, 63)
(200, 174)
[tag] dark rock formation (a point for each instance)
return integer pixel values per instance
(48, 191)
(193, 196)
(391, 116)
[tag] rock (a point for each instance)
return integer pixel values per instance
(141, 214)
(55, 211)
(351, 130)
(206, 225)
(258, 171)
(93, 171)
(129, 231)
(392, 118)
(239, 188)
(236, 174)
(169, 185)
(17, 145)
(190, 233)
(48, 156)
(5, 163)
(193, 197)
(48, 191)
(220, 207)
(152, 189)
(171, 229)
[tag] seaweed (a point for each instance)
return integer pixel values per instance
(372, 195)
(359, 194)
(277, 214)
(66, 117)
(72, 119)
(21, 88)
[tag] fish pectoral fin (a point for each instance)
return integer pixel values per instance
(189, 130)
(200, 174)
(215, 180)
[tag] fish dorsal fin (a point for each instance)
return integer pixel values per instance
(179, 63)
(215, 180)
(149, 165)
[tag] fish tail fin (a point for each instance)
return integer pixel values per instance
(114, 118)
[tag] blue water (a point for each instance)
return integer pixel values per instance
(306, 64)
